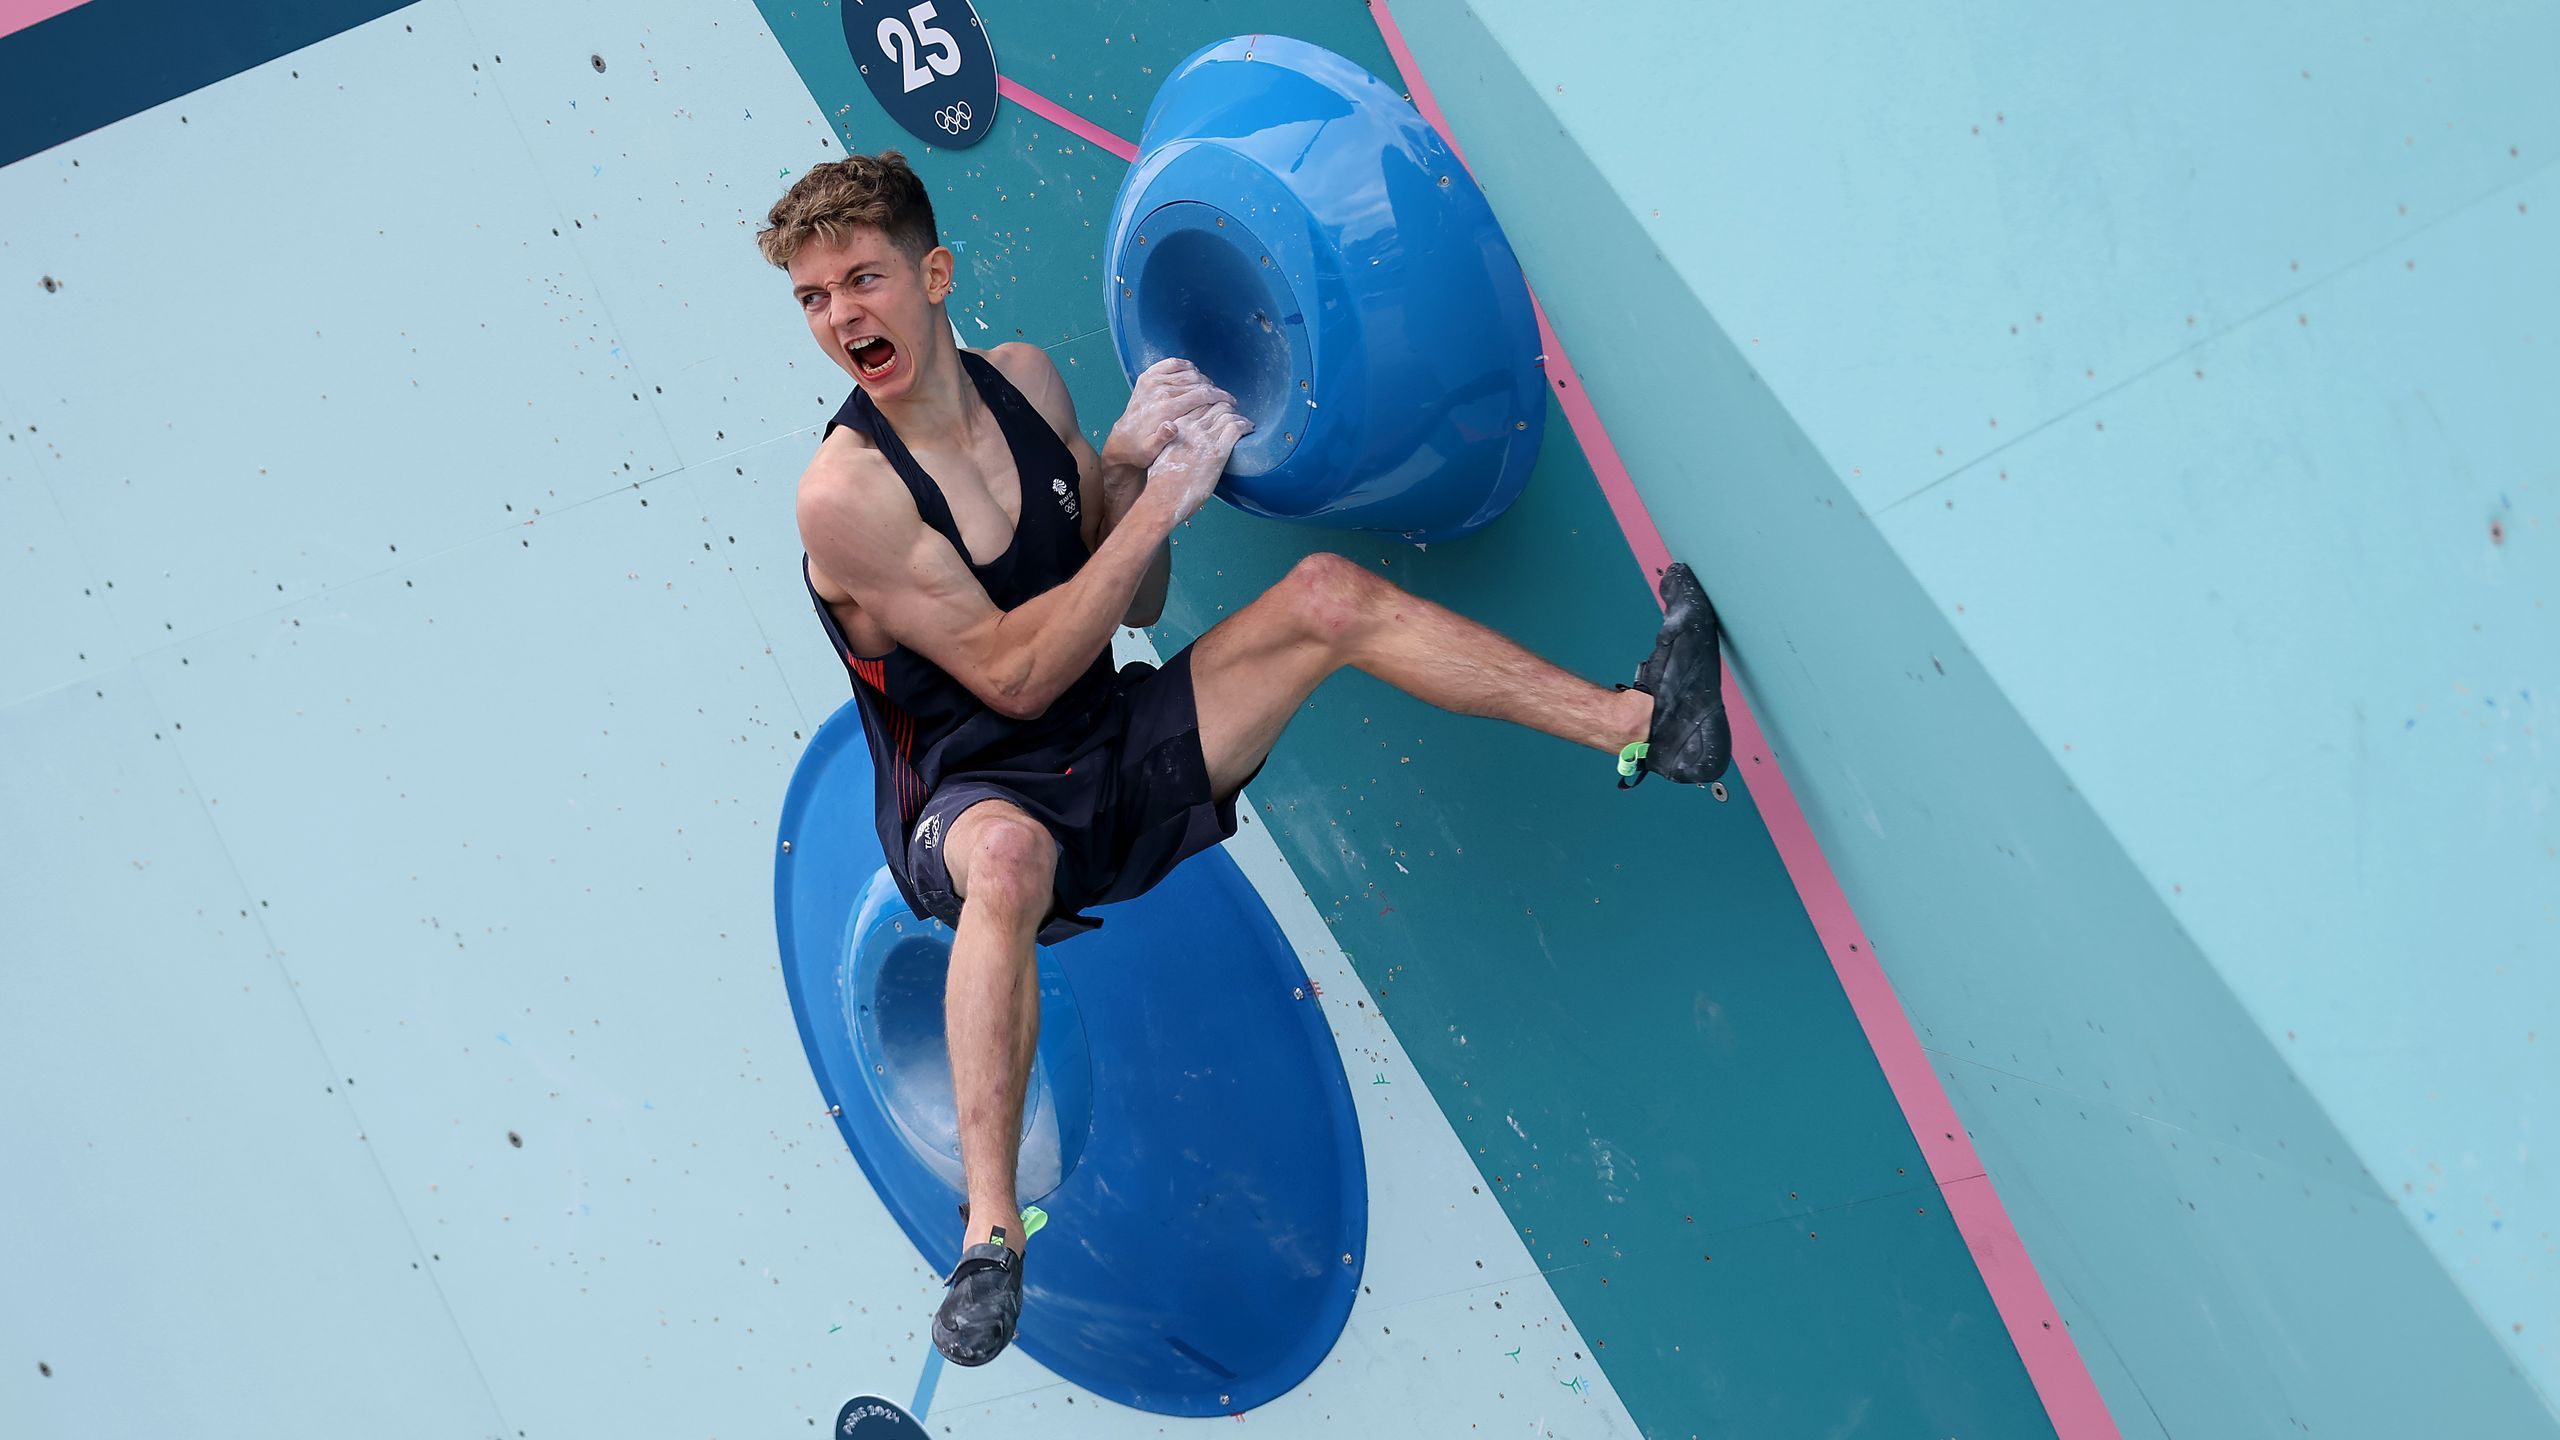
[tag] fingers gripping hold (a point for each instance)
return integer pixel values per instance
(1192, 464)
(1167, 392)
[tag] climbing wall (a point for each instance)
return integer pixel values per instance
(416, 662)
(2112, 438)
(409, 657)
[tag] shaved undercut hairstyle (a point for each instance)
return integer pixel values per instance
(880, 192)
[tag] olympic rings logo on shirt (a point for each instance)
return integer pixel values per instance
(953, 118)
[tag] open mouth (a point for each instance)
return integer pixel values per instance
(873, 357)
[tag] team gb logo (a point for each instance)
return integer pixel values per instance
(1066, 497)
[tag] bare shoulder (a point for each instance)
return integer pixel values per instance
(1025, 364)
(1036, 376)
(855, 514)
(848, 470)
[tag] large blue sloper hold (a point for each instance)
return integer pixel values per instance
(1297, 230)
(1189, 1128)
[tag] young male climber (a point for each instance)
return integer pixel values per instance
(970, 556)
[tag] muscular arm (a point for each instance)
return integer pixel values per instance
(1110, 490)
(862, 529)
(1106, 487)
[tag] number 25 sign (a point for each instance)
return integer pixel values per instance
(928, 64)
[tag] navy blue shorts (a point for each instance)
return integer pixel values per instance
(1126, 803)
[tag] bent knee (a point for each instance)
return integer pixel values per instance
(1009, 859)
(1330, 596)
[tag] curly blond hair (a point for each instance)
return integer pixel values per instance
(879, 191)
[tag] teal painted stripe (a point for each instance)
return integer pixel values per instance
(92, 66)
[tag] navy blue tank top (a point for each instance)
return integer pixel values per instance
(924, 726)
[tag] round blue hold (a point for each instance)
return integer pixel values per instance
(1294, 228)
(1189, 1127)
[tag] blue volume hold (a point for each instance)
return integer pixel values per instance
(1188, 1128)
(1297, 230)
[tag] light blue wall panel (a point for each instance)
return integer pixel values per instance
(1868, 199)
(652, 159)
(318, 296)
(2206, 1256)
(741, 506)
(2344, 589)
(186, 1165)
(522, 874)
(45, 574)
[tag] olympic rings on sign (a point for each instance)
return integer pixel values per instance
(953, 118)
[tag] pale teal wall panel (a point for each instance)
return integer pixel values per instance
(45, 574)
(647, 159)
(186, 1165)
(352, 441)
(2344, 585)
(1823, 188)
(2206, 1256)
(526, 889)
(741, 505)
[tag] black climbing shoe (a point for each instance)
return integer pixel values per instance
(977, 1318)
(1692, 742)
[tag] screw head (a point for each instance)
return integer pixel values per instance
(835, 1110)
(1717, 790)
(1297, 992)
(786, 847)
(1346, 1257)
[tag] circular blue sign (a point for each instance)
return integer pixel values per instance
(868, 1417)
(929, 64)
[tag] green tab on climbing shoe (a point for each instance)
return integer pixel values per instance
(1628, 758)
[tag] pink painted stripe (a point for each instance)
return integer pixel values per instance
(2053, 1361)
(1057, 114)
(17, 15)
